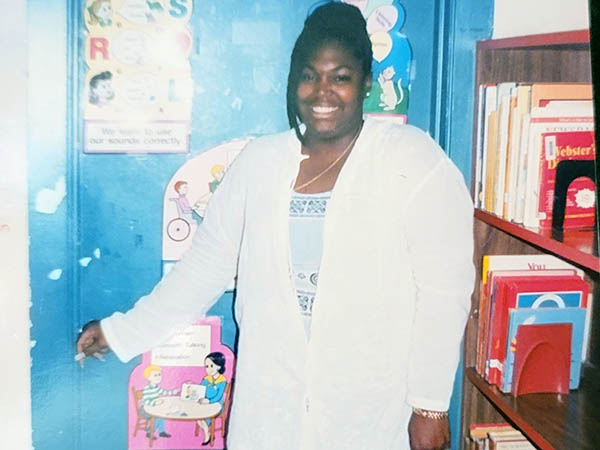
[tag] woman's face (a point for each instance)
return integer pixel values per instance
(211, 368)
(330, 93)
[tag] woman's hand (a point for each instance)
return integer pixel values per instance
(91, 342)
(428, 434)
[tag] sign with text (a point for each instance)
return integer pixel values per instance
(144, 137)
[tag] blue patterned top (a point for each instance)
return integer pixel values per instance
(307, 214)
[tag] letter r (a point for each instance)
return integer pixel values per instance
(98, 44)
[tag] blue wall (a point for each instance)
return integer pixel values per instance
(114, 202)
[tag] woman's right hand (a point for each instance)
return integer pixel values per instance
(91, 342)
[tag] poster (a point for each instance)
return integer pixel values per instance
(138, 90)
(187, 195)
(392, 58)
(180, 393)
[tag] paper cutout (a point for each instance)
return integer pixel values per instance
(47, 200)
(178, 403)
(188, 192)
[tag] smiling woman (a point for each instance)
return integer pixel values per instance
(351, 299)
(330, 75)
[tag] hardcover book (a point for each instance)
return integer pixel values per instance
(581, 197)
(527, 292)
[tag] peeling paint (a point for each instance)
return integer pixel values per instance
(32, 343)
(55, 274)
(47, 200)
(85, 261)
(237, 104)
(97, 253)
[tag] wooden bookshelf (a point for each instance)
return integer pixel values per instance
(549, 421)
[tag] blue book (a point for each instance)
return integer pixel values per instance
(528, 316)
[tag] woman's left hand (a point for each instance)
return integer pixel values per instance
(428, 434)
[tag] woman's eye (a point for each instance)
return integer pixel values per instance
(342, 78)
(307, 77)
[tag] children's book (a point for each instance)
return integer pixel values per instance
(491, 263)
(542, 360)
(485, 303)
(528, 316)
(581, 194)
(527, 292)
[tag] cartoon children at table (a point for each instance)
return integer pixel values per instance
(101, 90)
(151, 396)
(100, 12)
(215, 383)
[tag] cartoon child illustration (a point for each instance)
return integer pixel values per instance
(217, 171)
(151, 396)
(181, 187)
(389, 99)
(101, 90)
(215, 384)
(100, 13)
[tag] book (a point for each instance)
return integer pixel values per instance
(542, 359)
(505, 105)
(491, 161)
(580, 206)
(527, 292)
(485, 299)
(479, 157)
(501, 437)
(541, 121)
(529, 316)
(543, 93)
(491, 263)
(489, 106)
(522, 107)
(192, 392)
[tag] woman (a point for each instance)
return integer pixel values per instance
(215, 383)
(370, 362)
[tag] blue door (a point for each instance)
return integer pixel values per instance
(96, 219)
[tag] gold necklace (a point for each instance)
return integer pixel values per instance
(330, 166)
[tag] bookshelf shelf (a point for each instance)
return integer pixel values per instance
(550, 421)
(579, 247)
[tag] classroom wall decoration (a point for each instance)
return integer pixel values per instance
(392, 58)
(179, 394)
(138, 87)
(187, 195)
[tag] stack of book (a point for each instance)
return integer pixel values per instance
(533, 323)
(523, 132)
(496, 436)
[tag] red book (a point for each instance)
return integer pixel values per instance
(580, 207)
(487, 290)
(524, 292)
(542, 359)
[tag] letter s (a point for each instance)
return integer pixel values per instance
(178, 8)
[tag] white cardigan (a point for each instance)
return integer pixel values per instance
(392, 299)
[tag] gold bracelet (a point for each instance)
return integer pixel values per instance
(437, 415)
